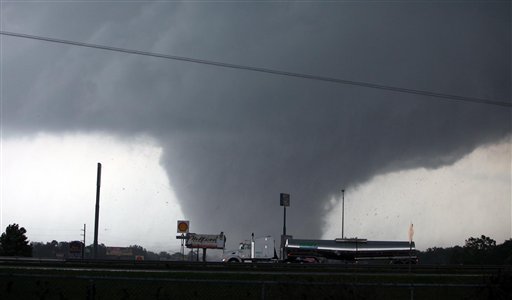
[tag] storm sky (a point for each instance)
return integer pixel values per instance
(227, 141)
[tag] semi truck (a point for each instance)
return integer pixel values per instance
(351, 250)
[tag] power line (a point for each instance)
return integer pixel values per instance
(265, 70)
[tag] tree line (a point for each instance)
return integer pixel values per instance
(481, 250)
(476, 250)
(14, 242)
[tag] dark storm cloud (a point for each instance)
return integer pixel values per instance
(233, 140)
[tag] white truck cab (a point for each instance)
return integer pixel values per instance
(257, 249)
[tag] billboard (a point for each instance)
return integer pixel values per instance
(119, 251)
(75, 249)
(284, 199)
(209, 241)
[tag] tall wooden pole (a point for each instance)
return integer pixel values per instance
(97, 213)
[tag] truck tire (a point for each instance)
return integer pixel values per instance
(233, 260)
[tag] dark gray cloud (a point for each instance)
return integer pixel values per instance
(233, 140)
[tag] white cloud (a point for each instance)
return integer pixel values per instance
(49, 187)
(446, 205)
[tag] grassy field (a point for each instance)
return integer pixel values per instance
(114, 280)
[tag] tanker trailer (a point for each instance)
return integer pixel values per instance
(350, 250)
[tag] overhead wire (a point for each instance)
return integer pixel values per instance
(444, 96)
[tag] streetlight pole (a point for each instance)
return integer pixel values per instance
(342, 213)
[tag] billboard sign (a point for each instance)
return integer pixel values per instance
(209, 241)
(119, 251)
(75, 249)
(284, 199)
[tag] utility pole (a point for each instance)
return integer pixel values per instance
(284, 201)
(342, 213)
(83, 245)
(97, 212)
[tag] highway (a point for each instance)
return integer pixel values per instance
(271, 268)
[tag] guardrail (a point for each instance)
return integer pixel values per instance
(360, 268)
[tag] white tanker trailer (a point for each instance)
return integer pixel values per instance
(349, 250)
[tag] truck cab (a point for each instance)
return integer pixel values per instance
(256, 249)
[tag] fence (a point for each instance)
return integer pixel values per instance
(48, 286)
